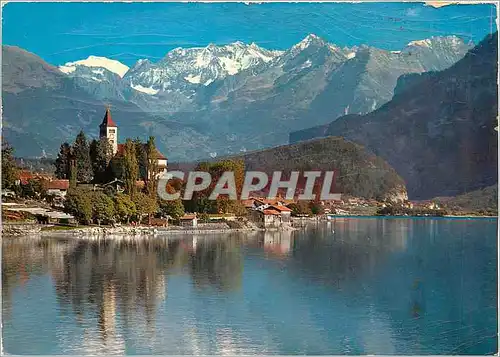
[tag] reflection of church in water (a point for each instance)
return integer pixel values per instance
(126, 282)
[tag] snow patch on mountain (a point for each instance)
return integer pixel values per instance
(193, 79)
(422, 43)
(454, 42)
(94, 61)
(142, 89)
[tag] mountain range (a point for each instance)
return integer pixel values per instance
(210, 101)
(439, 132)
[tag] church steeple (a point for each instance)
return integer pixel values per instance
(109, 129)
(108, 121)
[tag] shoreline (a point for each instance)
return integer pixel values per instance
(408, 217)
(13, 229)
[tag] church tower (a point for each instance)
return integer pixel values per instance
(108, 129)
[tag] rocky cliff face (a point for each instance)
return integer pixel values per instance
(438, 131)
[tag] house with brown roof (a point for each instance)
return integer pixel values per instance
(189, 220)
(272, 215)
(57, 187)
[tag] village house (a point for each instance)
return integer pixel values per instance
(57, 188)
(272, 215)
(108, 129)
(267, 218)
(189, 220)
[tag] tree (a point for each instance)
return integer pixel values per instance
(33, 189)
(100, 156)
(103, 208)
(130, 167)
(300, 208)
(152, 167)
(316, 208)
(124, 207)
(63, 162)
(140, 153)
(223, 204)
(79, 204)
(82, 156)
(174, 208)
(9, 168)
(72, 174)
(145, 205)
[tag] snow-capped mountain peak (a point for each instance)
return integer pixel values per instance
(453, 42)
(94, 61)
(198, 66)
(309, 40)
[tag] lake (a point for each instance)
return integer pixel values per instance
(349, 286)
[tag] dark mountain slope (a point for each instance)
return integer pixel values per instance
(358, 172)
(438, 132)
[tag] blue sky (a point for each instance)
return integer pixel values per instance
(62, 32)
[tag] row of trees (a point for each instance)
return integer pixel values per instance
(93, 161)
(99, 207)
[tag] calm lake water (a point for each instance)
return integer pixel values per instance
(352, 286)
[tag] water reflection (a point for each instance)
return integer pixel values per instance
(216, 263)
(347, 249)
(278, 243)
(352, 286)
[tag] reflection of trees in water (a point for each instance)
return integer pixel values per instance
(345, 249)
(24, 258)
(104, 276)
(134, 270)
(217, 263)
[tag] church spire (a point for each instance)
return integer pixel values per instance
(108, 121)
(109, 130)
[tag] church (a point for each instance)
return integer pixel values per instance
(108, 129)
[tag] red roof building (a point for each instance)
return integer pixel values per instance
(56, 184)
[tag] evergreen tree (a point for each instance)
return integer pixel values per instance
(152, 167)
(63, 162)
(9, 168)
(81, 154)
(72, 173)
(100, 156)
(130, 167)
(142, 159)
